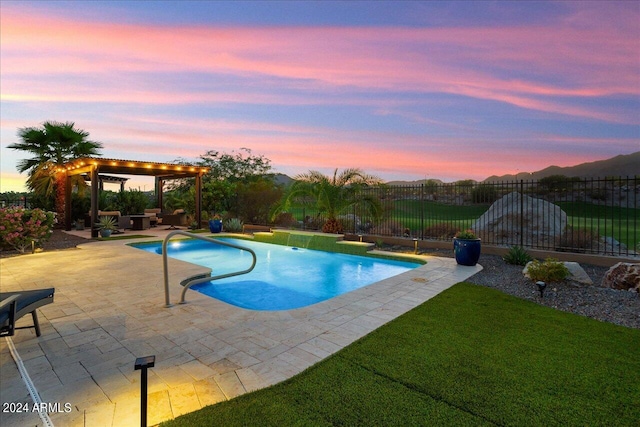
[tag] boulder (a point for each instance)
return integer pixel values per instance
(577, 274)
(624, 276)
(542, 222)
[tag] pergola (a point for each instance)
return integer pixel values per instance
(161, 171)
(106, 179)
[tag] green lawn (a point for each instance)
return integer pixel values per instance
(470, 356)
(621, 223)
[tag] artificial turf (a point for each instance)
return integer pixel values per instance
(470, 356)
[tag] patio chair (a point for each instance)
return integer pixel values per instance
(175, 220)
(14, 305)
(154, 215)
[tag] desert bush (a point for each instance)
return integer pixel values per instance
(233, 225)
(388, 228)
(580, 239)
(441, 230)
(551, 270)
(598, 194)
(517, 255)
(313, 222)
(285, 219)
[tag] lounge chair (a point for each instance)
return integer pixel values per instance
(14, 305)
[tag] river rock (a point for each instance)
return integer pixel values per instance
(624, 276)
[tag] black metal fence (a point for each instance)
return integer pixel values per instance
(596, 216)
(14, 200)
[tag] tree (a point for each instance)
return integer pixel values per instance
(255, 199)
(52, 145)
(333, 195)
(230, 174)
(557, 183)
(234, 166)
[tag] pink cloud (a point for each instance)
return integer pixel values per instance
(49, 59)
(582, 61)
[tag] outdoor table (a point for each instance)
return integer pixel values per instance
(140, 222)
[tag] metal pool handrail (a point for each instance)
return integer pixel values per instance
(165, 264)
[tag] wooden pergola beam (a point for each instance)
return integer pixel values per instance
(161, 172)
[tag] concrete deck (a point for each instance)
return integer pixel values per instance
(109, 310)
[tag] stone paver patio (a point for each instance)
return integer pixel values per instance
(109, 310)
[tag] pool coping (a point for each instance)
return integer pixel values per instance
(109, 309)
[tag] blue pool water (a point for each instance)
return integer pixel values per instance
(284, 277)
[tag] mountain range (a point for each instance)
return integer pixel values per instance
(622, 165)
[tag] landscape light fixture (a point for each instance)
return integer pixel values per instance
(142, 364)
(415, 245)
(541, 288)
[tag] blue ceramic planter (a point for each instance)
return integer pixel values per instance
(215, 225)
(467, 251)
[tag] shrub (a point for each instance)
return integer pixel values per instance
(20, 227)
(484, 193)
(130, 202)
(107, 223)
(551, 270)
(441, 230)
(466, 234)
(517, 255)
(580, 239)
(285, 219)
(598, 194)
(233, 225)
(389, 228)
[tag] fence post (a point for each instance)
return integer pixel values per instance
(521, 213)
(422, 211)
(354, 216)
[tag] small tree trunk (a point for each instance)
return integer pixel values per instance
(60, 199)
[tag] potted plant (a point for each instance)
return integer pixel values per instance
(106, 226)
(466, 247)
(215, 224)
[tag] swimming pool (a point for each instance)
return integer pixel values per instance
(284, 277)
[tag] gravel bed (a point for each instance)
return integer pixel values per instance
(59, 240)
(604, 304)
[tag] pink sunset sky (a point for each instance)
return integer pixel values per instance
(403, 90)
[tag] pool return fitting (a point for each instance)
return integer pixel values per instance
(165, 264)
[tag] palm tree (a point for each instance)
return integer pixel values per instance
(333, 195)
(52, 146)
